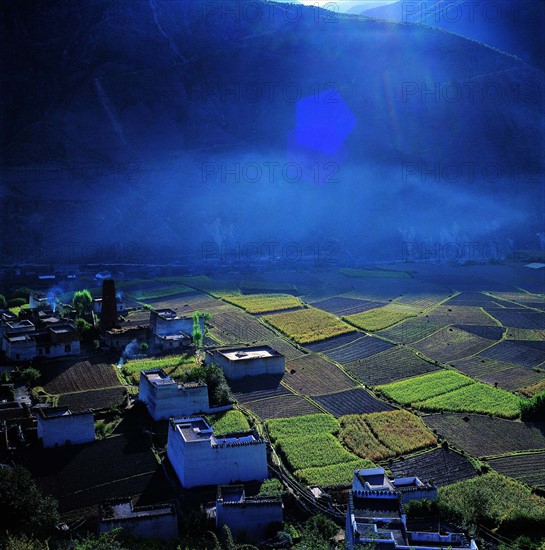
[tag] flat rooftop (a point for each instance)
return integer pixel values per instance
(124, 509)
(247, 354)
(48, 413)
(197, 429)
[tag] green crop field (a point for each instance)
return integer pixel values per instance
(380, 318)
(308, 325)
(308, 445)
(426, 386)
(372, 273)
(262, 303)
(378, 436)
(173, 365)
(164, 291)
(227, 422)
(477, 398)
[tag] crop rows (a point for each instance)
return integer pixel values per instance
(251, 388)
(421, 300)
(505, 375)
(80, 376)
(341, 305)
(476, 299)
(526, 468)
(517, 352)
(477, 398)
(366, 346)
(481, 435)
(411, 330)
(336, 342)
(451, 343)
(420, 388)
(380, 318)
(519, 318)
(356, 401)
(492, 332)
(240, 326)
(309, 447)
(283, 406)
(379, 436)
(314, 375)
(173, 365)
(263, 303)
(439, 466)
(308, 325)
(459, 315)
(374, 273)
(93, 399)
(266, 286)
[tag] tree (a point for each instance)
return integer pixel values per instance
(105, 541)
(534, 409)
(30, 376)
(23, 293)
(82, 301)
(86, 330)
(23, 542)
(213, 377)
(3, 302)
(22, 505)
(17, 302)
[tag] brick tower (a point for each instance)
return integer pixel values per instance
(108, 317)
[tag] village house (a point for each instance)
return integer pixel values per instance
(252, 361)
(57, 426)
(253, 517)
(120, 305)
(170, 330)
(164, 398)
(23, 341)
(200, 458)
(375, 515)
(156, 521)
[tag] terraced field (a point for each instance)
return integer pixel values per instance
(283, 406)
(308, 325)
(314, 375)
(252, 388)
(383, 435)
(419, 388)
(341, 305)
(411, 330)
(263, 303)
(356, 401)
(80, 376)
(522, 353)
(103, 398)
(236, 326)
(507, 376)
(366, 346)
(439, 466)
(481, 435)
(380, 318)
(519, 318)
(228, 422)
(527, 468)
(173, 365)
(309, 447)
(451, 343)
(394, 364)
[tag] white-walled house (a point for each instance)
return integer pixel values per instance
(200, 458)
(252, 361)
(57, 426)
(164, 398)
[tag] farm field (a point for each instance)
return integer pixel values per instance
(336, 342)
(534, 389)
(439, 466)
(308, 325)
(228, 422)
(366, 346)
(103, 398)
(522, 353)
(260, 285)
(476, 299)
(383, 435)
(426, 386)
(476, 398)
(251, 388)
(421, 300)
(235, 326)
(481, 435)
(492, 332)
(451, 343)
(459, 315)
(334, 474)
(527, 468)
(342, 305)
(394, 364)
(355, 401)
(525, 334)
(518, 318)
(173, 365)
(162, 291)
(523, 298)
(380, 318)
(187, 304)
(314, 375)
(308, 445)
(283, 406)
(79, 376)
(507, 376)
(411, 330)
(263, 303)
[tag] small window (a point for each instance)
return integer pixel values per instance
(67, 348)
